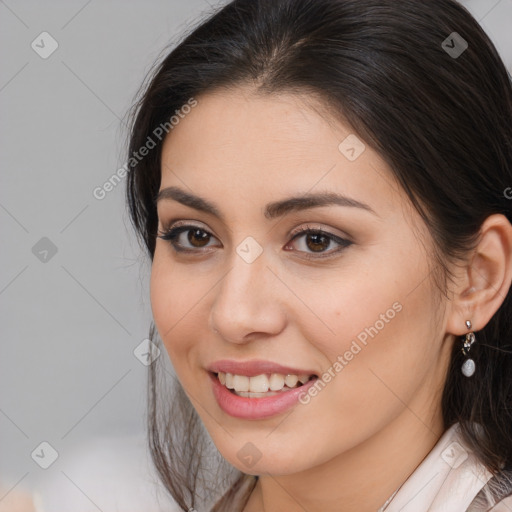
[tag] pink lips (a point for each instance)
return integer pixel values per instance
(256, 408)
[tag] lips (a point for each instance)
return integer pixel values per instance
(233, 381)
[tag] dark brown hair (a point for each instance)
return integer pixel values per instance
(441, 119)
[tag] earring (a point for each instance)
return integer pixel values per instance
(468, 368)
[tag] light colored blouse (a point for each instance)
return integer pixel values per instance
(452, 479)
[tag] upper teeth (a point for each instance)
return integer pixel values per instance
(260, 383)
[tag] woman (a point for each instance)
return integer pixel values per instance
(323, 188)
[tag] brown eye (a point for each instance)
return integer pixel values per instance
(196, 238)
(311, 241)
(317, 242)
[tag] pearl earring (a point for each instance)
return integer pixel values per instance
(468, 368)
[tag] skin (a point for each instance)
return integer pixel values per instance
(360, 438)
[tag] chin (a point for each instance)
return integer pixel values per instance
(259, 458)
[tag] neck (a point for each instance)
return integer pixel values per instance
(359, 480)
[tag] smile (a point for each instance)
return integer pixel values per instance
(257, 405)
(262, 385)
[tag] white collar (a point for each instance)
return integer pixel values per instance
(447, 479)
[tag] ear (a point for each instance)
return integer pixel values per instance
(485, 279)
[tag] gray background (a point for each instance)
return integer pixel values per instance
(71, 323)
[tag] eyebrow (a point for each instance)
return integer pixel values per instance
(272, 210)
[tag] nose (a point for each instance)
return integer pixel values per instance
(248, 302)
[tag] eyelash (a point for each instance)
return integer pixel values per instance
(171, 235)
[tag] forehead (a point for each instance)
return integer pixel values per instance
(270, 145)
(243, 120)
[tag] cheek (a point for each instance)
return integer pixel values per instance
(350, 304)
(171, 304)
(381, 296)
(180, 302)
(373, 324)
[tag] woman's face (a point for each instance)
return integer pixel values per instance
(353, 306)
